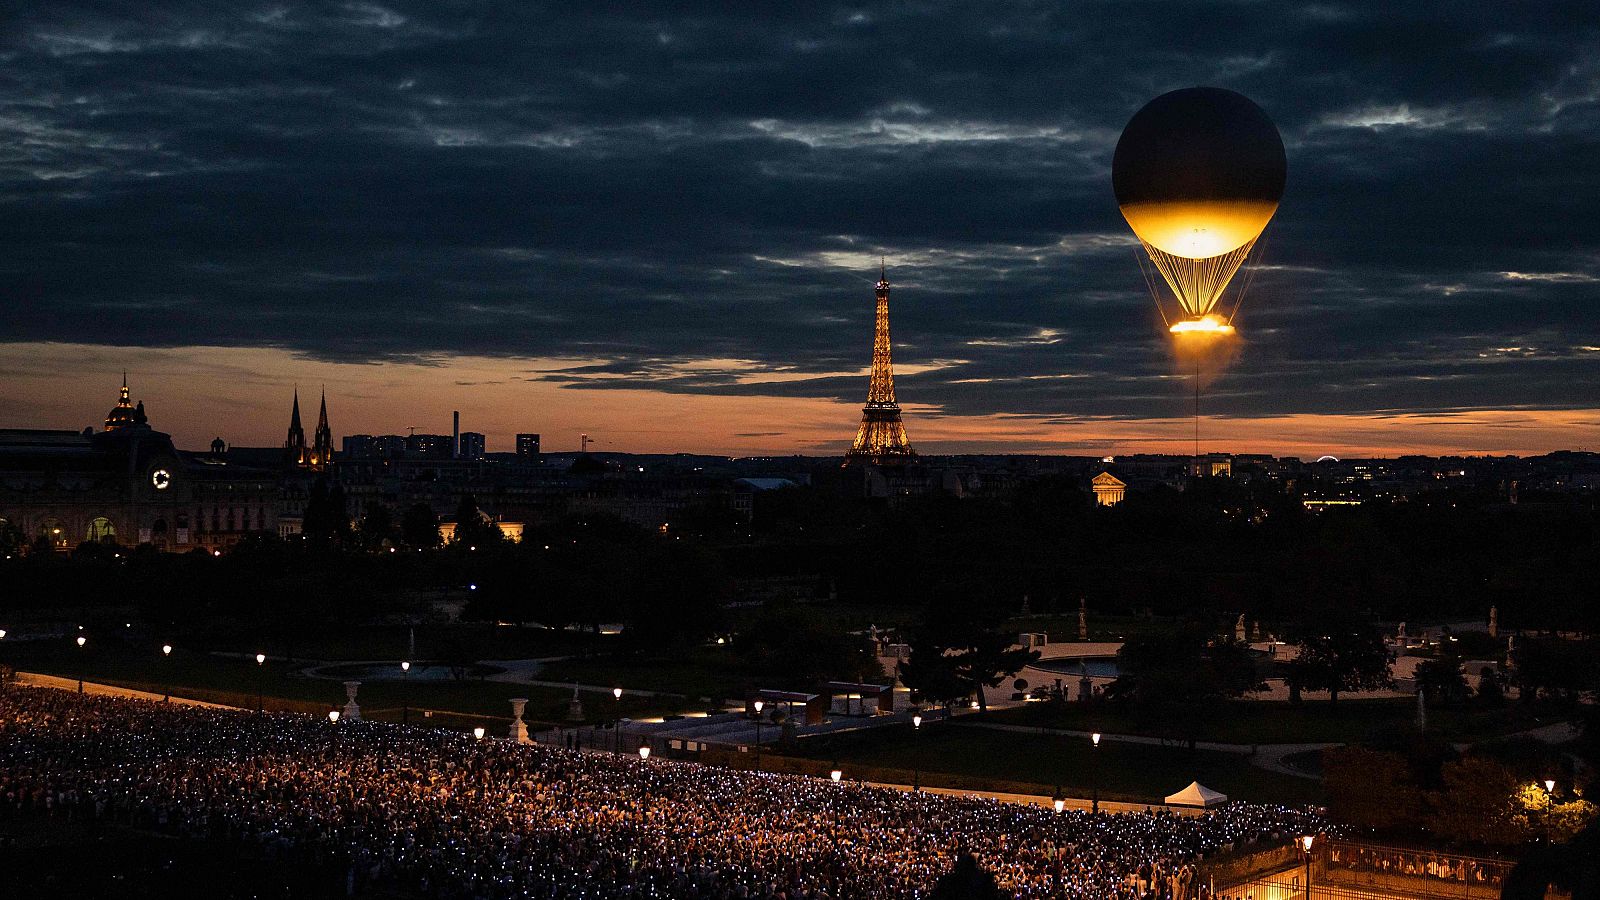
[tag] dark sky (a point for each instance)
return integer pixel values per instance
(691, 199)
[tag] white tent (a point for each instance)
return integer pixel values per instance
(1197, 794)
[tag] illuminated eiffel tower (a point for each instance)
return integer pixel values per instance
(881, 439)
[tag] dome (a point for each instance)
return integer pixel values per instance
(125, 414)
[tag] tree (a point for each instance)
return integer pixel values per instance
(1555, 668)
(419, 527)
(1370, 788)
(959, 650)
(1476, 804)
(801, 647)
(1178, 678)
(1440, 680)
(377, 526)
(930, 673)
(473, 528)
(1340, 651)
(1490, 691)
(325, 517)
(679, 599)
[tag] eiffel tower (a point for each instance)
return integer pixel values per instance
(881, 439)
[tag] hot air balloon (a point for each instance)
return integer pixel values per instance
(1198, 173)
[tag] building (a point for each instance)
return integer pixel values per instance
(126, 485)
(319, 455)
(1108, 489)
(473, 445)
(528, 445)
(430, 446)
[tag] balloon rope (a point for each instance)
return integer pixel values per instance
(1150, 284)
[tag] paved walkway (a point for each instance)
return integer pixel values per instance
(1264, 756)
(89, 687)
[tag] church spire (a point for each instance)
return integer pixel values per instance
(322, 441)
(294, 448)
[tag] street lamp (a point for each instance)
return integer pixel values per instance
(616, 724)
(166, 693)
(478, 732)
(1305, 846)
(916, 760)
(405, 692)
(644, 751)
(836, 775)
(1060, 804)
(333, 716)
(758, 706)
(1549, 785)
(261, 662)
(81, 641)
(1095, 739)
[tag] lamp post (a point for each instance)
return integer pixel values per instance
(81, 641)
(1095, 739)
(477, 733)
(616, 723)
(644, 751)
(166, 692)
(836, 774)
(261, 663)
(405, 692)
(333, 716)
(1305, 846)
(758, 705)
(916, 758)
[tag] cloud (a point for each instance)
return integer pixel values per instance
(694, 200)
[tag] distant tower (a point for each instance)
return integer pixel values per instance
(322, 441)
(881, 438)
(294, 449)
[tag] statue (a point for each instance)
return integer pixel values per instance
(519, 728)
(1494, 621)
(575, 705)
(1238, 629)
(352, 712)
(1083, 619)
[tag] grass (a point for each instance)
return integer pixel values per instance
(1263, 722)
(236, 681)
(387, 641)
(707, 672)
(1133, 772)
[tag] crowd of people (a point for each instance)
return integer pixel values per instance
(1389, 861)
(452, 816)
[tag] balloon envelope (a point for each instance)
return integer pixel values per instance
(1198, 172)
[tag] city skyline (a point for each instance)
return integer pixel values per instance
(664, 233)
(378, 405)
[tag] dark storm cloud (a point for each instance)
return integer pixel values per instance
(690, 198)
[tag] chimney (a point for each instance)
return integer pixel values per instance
(455, 435)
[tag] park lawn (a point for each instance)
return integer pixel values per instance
(393, 641)
(1268, 722)
(236, 681)
(706, 672)
(1131, 772)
